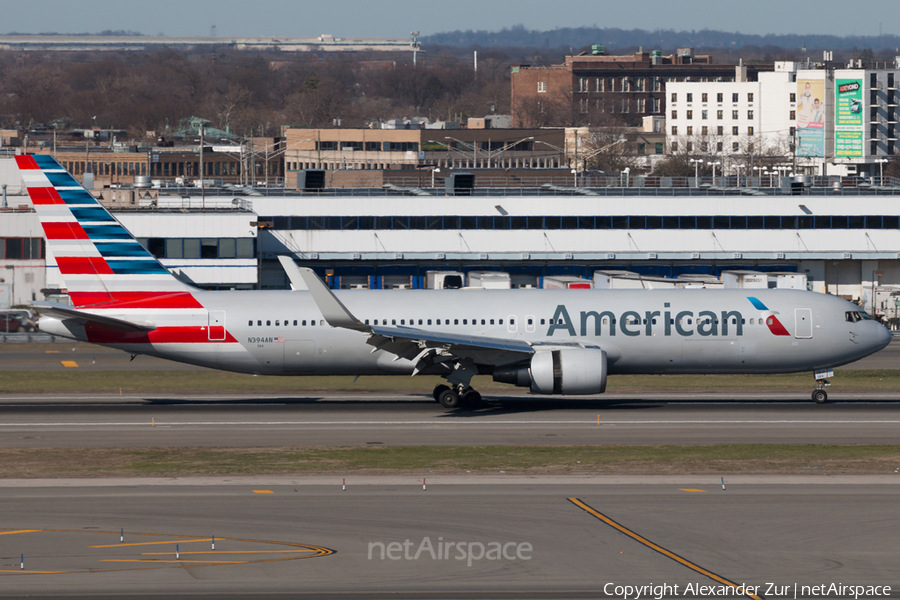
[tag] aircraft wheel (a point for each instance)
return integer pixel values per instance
(471, 399)
(438, 391)
(449, 399)
(819, 397)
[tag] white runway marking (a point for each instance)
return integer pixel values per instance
(453, 423)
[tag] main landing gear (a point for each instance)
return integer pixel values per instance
(819, 395)
(461, 397)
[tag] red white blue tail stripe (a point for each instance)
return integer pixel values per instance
(103, 266)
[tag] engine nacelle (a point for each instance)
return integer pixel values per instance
(563, 371)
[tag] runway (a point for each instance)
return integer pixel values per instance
(304, 540)
(51, 357)
(378, 419)
(565, 537)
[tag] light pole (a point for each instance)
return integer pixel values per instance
(626, 173)
(574, 178)
(739, 167)
(474, 149)
(562, 152)
(508, 146)
(881, 162)
(433, 171)
(696, 162)
(759, 171)
(713, 165)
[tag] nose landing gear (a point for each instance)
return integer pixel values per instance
(819, 395)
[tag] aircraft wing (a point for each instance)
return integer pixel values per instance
(61, 311)
(409, 342)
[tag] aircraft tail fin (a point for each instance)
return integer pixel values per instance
(102, 264)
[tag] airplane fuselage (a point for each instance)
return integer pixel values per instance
(641, 331)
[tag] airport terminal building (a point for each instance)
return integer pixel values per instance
(841, 235)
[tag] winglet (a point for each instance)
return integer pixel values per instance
(293, 272)
(335, 313)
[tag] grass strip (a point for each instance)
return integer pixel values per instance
(189, 382)
(720, 459)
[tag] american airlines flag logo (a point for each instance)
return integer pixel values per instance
(279, 340)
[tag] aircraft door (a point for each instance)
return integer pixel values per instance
(803, 327)
(511, 325)
(216, 328)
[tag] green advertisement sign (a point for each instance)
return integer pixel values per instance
(848, 117)
(848, 143)
(849, 104)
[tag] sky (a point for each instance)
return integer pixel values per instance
(397, 18)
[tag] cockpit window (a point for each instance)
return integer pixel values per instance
(854, 316)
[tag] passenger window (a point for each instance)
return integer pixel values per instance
(542, 322)
(420, 321)
(393, 321)
(304, 323)
(259, 323)
(312, 323)
(403, 321)
(429, 321)
(250, 323)
(752, 322)
(769, 321)
(465, 321)
(492, 321)
(384, 321)
(437, 322)
(653, 322)
(277, 323)
(268, 323)
(456, 321)
(500, 322)
(512, 321)
(295, 322)
(531, 321)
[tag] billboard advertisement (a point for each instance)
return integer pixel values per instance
(848, 117)
(811, 117)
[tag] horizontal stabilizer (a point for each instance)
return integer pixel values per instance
(61, 311)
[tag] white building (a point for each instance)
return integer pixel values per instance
(733, 122)
(803, 118)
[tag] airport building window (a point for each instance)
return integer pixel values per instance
(209, 248)
(22, 248)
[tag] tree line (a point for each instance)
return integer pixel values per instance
(246, 94)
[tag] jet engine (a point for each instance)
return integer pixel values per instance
(559, 371)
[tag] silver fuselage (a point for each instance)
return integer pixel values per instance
(642, 331)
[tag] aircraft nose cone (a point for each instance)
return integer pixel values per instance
(882, 337)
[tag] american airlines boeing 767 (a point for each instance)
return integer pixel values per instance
(551, 341)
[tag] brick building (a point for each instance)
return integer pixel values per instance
(588, 87)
